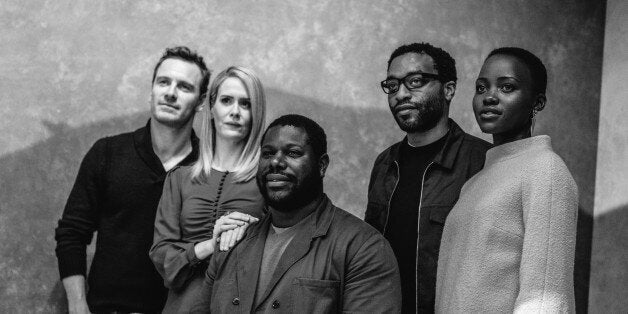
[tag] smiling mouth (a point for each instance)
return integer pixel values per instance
(277, 180)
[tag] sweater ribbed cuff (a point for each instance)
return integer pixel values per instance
(71, 263)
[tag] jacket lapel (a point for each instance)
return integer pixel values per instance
(249, 261)
(316, 226)
(298, 247)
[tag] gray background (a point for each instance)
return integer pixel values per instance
(74, 71)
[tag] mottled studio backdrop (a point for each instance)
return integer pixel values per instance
(74, 71)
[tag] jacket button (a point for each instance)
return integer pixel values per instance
(275, 304)
(235, 301)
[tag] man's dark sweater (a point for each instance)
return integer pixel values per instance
(404, 214)
(116, 193)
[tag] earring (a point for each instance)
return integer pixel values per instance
(533, 118)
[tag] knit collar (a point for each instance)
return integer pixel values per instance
(516, 148)
(144, 147)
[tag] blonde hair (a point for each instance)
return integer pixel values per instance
(246, 165)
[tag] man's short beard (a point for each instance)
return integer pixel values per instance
(430, 112)
(309, 190)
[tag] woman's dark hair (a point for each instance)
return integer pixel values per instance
(534, 64)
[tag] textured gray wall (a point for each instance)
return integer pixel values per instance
(74, 71)
(609, 260)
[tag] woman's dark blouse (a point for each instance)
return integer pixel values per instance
(186, 215)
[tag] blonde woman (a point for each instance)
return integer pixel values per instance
(220, 184)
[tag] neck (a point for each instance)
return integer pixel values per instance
(291, 216)
(168, 141)
(511, 136)
(430, 136)
(226, 154)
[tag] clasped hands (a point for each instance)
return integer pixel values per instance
(230, 228)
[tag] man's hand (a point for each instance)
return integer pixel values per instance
(230, 228)
(75, 292)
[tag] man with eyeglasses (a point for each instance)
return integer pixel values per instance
(415, 182)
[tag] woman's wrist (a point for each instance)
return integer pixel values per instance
(204, 249)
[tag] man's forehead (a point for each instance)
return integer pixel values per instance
(286, 134)
(176, 66)
(411, 62)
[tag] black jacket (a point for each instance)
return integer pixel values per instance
(461, 157)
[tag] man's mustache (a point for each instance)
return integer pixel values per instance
(407, 104)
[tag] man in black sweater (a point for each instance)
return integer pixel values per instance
(117, 190)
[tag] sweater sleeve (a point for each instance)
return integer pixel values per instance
(550, 208)
(173, 257)
(80, 216)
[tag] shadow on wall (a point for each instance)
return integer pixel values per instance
(609, 274)
(35, 183)
(582, 263)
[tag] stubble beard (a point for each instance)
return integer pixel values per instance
(173, 123)
(297, 197)
(428, 114)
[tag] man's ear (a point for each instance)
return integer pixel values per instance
(449, 90)
(539, 102)
(323, 162)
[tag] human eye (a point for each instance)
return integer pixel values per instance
(186, 87)
(480, 88)
(416, 81)
(266, 153)
(245, 104)
(294, 153)
(225, 100)
(162, 81)
(507, 88)
(391, 84)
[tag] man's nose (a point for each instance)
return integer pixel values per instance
(277, 161)
(402, 93)
(171, 93)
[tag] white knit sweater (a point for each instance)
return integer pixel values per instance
(508, 243)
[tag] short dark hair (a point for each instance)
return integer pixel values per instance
(534, 64)
(315, 134)
(186, 54)
(443, 62)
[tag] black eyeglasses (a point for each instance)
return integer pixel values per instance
(412, 81)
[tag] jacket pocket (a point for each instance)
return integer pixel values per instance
(316, 296)
(431, 231)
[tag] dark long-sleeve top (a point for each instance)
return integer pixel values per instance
(186, 215)
(116, 193)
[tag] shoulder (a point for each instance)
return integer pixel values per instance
(179, 174)
(347, 226)
(387, 154)
(475, 145)
(549, 165)
(122, 138)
